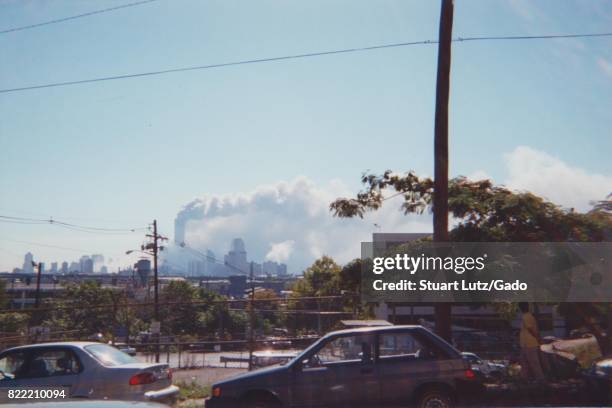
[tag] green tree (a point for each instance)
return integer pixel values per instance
(323, 278)
(86, 307)
(217, 320)
(10, 322)
(178, 316)
(485, 212)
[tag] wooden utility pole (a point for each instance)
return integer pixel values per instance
(156, 288)
(155, 248)
(251, 317)
(440, 199)
(38, 272)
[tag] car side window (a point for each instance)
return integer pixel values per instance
(355, 348)
(12, 365)
(395, 345)
(52, 362)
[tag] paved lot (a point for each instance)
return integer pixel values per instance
(206, 376)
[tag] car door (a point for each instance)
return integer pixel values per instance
(339, 373)
(12, 363)
(40, 367)
(63, 367)
(407, 360)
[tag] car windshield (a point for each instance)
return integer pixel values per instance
(109, 356)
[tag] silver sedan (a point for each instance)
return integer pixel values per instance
(81, 370)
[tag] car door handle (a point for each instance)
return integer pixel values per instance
(367, 370)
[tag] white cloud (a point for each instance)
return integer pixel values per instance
(605, 66)
(290, 222)
(550, 177)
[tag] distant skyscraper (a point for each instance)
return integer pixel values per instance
(274, 268)
(53, 267)
(98, 261)
(143, 268)
(86, 264)
(27, 263)
(237, 257)
(179, 230)
(282, 269)
(64, 267)
(196, 268)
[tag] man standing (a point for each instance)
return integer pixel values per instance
(531, 366)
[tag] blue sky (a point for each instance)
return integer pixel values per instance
(121, 153)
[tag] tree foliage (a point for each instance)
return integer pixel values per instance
(485, 212)
(79, 309)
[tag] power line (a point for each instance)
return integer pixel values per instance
(530, 37)
(67, 225)
(294, 56)
(63, 19)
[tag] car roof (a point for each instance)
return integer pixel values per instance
(76, 344)
(375, 329)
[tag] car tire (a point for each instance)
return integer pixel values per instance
(434, 398)
(260, 401)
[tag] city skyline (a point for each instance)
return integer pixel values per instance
(193, 263)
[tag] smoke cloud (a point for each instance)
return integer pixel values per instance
(287, 222)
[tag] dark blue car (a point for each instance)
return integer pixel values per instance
(374, 366)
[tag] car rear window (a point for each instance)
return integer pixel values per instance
(109, 356)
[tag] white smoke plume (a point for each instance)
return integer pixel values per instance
(287, 222)
(280, 251)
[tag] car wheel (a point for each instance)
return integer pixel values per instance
(435, 398)
(260, 401)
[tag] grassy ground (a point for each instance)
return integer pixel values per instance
(195, 384)
(193, 390)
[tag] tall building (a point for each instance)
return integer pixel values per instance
(272, 268)
(237, 257)
(98, 261)
(53, 267)
(179, 230)
(196, 268)
(65, 267)
(87, 264)
(28, 259)
(143, 268)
